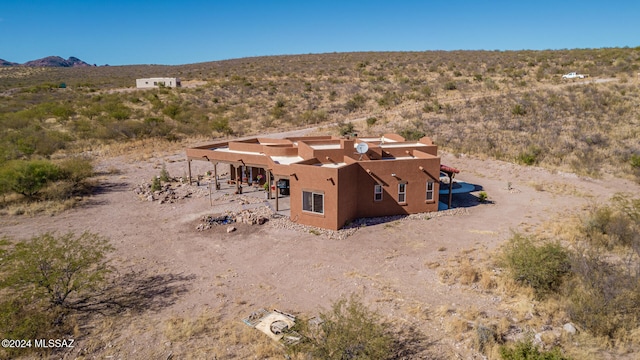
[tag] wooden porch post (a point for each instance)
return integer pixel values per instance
(215, 175)
(238, 179)
(189, 162)
(268, 185)
(277, 195)
(450, 189)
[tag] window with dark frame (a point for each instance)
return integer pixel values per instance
(402, 193)
(377, 192)
(430, 187)
(313, 202)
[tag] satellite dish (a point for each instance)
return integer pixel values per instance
(362, 148)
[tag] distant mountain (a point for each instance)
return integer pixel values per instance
(56, 61)
(7, 63)
(49, 61)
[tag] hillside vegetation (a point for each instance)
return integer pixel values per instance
(508, 105)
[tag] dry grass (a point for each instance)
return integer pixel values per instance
(467, 268)
(206, 335)
(559, 188)
(47, 207)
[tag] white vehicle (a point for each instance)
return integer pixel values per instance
(573, 75)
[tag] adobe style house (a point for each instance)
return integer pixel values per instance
(335, 180)
(149, 83)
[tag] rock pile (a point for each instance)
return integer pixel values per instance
(255, 216)
(258, 215)
(168, 193)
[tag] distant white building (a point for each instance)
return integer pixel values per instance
(157, 82)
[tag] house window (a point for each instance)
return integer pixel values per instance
(430, 190)
(313, 202)
(155, 83)
(402, 193)
(377, 192)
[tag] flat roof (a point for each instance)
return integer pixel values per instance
(325, 146)
(227, 150)
(376, 139)
(402, 144)
(331, 165)
(286, 160)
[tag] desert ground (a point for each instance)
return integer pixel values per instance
(395, 265)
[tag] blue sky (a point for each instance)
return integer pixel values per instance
(124, 32)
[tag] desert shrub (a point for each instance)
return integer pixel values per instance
(482, 196)
(278, 111)
(172, 110)
(153, 126)
(76, 170)
(485, 337)
(91, 111)
(371, 121)
(518, 110)
(59, 269)
(44, 278)
(156, 184)
(389, 100)
(63, 111)
(20, 319)
(617, 225)
(604, 296)
(434, 106)
(604, 299)
(415, 131)
(541, 267)
(355, 103)
(117, 110)
(314, 117)
(5, 182)
(525, 350)
(412, 133)
(426, 91)
(348, 331)
(35, 140)
(164, 174)
(29, 177)
(531, 156)
(450, 85)
(221, 125)
(635, 161)
(345, 128)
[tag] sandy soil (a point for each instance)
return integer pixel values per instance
(391, 265)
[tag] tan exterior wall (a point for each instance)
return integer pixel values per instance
(408, 172)
(348, 194)
(314, 179)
